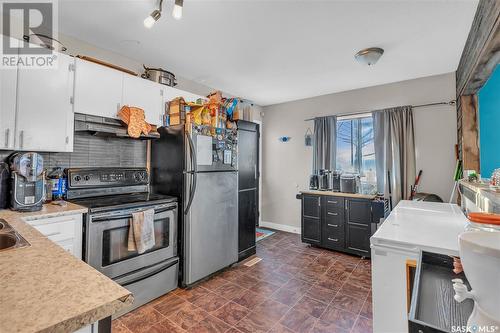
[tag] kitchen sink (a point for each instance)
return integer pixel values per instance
(10, 238)
(7, 241)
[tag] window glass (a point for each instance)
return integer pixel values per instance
(356, 150)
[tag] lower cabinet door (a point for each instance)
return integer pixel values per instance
(311, 230)
(358, 238)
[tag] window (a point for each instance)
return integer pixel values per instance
(356, 149)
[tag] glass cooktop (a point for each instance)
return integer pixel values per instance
(123, 201)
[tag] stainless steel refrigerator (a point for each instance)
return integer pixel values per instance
(199, 167)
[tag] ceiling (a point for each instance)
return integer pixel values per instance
(276, 51)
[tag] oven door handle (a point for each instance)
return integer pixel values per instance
(127, 216)
(169, 264)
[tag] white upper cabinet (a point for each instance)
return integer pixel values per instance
(44, 107)
(98, 89)
(144, 94)
(8, 85)
(170, 93)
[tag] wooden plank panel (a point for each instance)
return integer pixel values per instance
(470, 141)
(482, 44)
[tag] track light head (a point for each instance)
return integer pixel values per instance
(152, 18)
(177, 12)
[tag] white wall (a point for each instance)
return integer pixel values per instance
(287, 166)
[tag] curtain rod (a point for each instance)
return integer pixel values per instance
(452, 102)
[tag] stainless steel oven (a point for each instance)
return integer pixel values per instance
(112, 195)
(107, 240)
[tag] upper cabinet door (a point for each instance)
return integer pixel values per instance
(44, 110)
(144, 94)
(98, 89)
(170, 93)
(8, 86)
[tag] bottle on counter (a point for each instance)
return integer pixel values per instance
(57, 181)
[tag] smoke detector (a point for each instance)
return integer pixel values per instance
(369, 56)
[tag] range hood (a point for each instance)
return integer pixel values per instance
(103, 126)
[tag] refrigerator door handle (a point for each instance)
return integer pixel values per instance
(192, 187)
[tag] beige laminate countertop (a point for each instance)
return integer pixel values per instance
(340, 194)
(43, 288)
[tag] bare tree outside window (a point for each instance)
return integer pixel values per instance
(356, 150)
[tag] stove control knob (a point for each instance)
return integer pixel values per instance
(86, 178)
(77, 178)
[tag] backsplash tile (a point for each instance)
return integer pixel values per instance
(95, 151)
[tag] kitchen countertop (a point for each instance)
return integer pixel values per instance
(427, 226)
(43, 288)
(340, 194)
(483, 196)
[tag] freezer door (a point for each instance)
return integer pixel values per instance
(389, 288)
(215, 152)
(211, 226)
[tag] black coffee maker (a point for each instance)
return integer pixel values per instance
(313, 182)
(27, 182)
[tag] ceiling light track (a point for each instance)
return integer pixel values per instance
(156, 14)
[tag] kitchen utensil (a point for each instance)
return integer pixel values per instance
(159, 75)
(45, 41)
(313, 182)
(349, 183)
(4, 184)
(335, 180)
(27, 182)
(324, 180)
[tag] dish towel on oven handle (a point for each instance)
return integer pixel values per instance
(141, 231)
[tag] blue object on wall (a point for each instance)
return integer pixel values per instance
(284, 138)
(489, 124)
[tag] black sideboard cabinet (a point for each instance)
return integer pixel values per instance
(340, 223)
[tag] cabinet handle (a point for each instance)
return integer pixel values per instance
(7, 136)
(319, 201)
(333, 202)
(21, 139)
(334, 214)
(52, 234)
(333, 239)
(332, 225)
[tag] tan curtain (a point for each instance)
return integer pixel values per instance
(395, 151)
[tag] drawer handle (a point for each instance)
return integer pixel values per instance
(333, 202)
(333, 225)
(333, 239)
(52, 234)
(334, 214)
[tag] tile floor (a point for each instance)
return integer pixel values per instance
(295, 288)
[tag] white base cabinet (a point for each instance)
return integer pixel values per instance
(66, 231)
